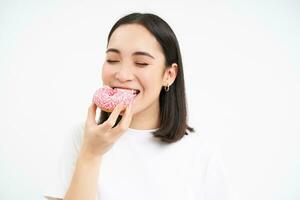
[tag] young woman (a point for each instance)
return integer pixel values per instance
(145, 150)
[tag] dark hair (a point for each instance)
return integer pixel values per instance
(173, 108)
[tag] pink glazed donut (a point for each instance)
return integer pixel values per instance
(107, 98)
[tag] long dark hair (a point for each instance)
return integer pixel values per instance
(173, 108)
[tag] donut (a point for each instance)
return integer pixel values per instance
(107, 98)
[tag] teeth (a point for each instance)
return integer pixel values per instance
(133, 91)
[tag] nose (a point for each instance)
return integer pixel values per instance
(124, 74)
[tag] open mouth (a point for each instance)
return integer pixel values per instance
(133, 91)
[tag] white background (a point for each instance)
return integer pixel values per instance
(242, 71)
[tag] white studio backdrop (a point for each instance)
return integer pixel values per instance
(242, 72)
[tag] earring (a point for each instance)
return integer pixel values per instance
(167, 88)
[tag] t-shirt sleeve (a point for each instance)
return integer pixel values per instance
(217, 185)
(59, 183)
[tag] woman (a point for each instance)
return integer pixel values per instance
(145, 150)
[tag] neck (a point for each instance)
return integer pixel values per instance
(147, 119)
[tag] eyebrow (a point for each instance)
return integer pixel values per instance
(137, 53)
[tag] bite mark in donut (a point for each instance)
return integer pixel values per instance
(107, 98)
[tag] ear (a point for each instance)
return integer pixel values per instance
(170, 75)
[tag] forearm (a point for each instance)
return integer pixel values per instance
(85, 178)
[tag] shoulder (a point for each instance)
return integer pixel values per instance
(198, 141)
(200, 147)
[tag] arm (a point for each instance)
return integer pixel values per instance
(97, 140)
(85, 178)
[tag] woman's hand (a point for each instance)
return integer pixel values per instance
(98, 139)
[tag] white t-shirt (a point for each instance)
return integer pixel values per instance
(140, 167)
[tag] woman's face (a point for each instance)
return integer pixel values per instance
(135, 60)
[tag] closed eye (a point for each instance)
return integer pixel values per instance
(112, 61)
(143, 64)
(137, 63)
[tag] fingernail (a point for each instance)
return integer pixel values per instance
(130, 106)
(122, 105)
(132, 101)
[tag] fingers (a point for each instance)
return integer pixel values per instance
(125, 122)
(110, 122)
(91, 114)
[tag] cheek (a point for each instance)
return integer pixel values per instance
(107, 72)
(151, 80)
